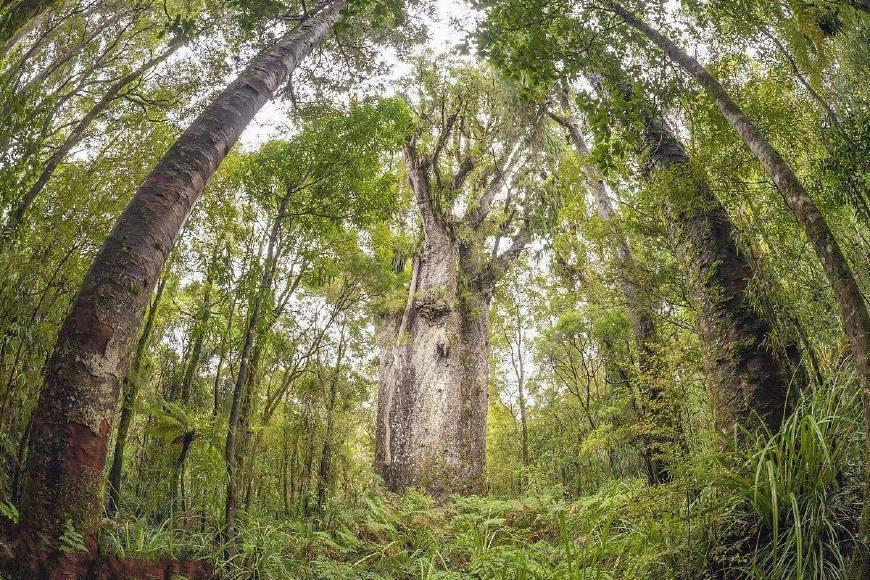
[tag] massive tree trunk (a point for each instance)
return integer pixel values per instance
(431, 429)
(64, 475)
(853, 309)
(748, 380)
(131, 389)
(432, 405)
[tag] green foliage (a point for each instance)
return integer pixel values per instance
(795, 493)
(582, 506)
(71, 541)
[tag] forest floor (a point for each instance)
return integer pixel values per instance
(626, 530)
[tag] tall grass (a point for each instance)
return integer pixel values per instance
(797, 493)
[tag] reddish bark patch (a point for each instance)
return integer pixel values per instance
(116, 568)
(83, 565)
(92, 335)
(85, 448)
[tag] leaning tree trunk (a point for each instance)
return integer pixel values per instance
(748, 380)
(853, 309)
(64, 475)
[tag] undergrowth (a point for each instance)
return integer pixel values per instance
(785, 507)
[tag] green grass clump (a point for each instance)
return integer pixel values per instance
(795, 495)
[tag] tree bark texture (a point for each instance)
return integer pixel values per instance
(431, 430)
(432, 404)
(749, 384)
(64, 474)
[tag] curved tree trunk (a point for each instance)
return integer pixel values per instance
(64, 475)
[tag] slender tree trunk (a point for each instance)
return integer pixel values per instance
(178, 470)
(222, 357)
(853, 309)
(64, 474)
(78, 132)
(131, 389)
(200, 332)
(525, 429)
(432, 404)
(307, 460)
(656, 448)
(285, 467)
(247, 362)
(517, 362)
(294, 460)
(324, 472)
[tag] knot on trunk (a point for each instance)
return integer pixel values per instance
(433, 304)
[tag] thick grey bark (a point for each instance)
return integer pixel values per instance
(64, 474)
(853, 309)
(432, 404)
(430, 429)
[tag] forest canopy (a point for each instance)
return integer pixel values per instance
(434, 289)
